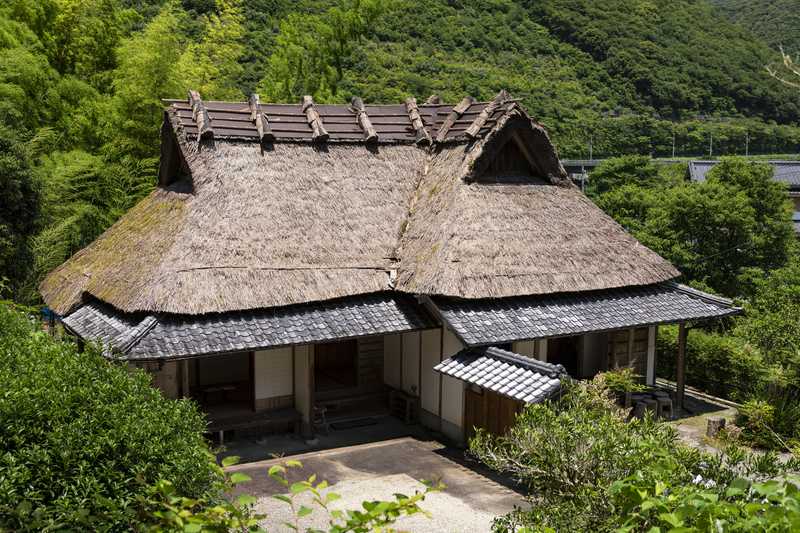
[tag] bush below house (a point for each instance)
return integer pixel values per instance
(82, 439)
(587, 468)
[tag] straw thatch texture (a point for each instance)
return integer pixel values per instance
(237, 225)
(295, 224)
(483, 240)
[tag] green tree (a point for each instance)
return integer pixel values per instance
(145, 74)
(626, 170)
(211, 65)
(312, 50)
(19, 206)
(773, 235)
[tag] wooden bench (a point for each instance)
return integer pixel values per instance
(254, 420)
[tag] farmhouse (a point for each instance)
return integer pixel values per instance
(303, 258)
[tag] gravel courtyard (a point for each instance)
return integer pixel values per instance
(377, 471)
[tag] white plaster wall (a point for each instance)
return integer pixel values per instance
(273, 373)
(429, 380)
(452, 389)
(392, 359)
(302, 383)
(410, 362)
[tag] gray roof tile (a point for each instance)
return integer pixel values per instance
(495, 321)
(506, 373)
(165, 336)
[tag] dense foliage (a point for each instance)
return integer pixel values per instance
(586, 468)
(81, 438)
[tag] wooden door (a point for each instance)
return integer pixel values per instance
(490, 411)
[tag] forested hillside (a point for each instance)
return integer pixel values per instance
(81, 83)
(776, 22)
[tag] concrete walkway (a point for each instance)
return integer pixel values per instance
(378, 470)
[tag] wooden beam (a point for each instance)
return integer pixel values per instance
(370, 135)
(201, 118)
(319, 134)
(454, 115)
(416, 121)
(680, 369)
(485, 114)
(260, 119)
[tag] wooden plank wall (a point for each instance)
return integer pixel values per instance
(625, 349)
(370, 363)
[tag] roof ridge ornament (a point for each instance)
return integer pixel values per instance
(201, 118)
(319, 134)
(458, 110)
(357, 105)
(473, 129)
(423, 137)
(259, 118)
(433, 99)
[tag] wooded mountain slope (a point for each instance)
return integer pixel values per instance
(776, 22)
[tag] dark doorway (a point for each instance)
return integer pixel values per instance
(564, 351)
(335, 366)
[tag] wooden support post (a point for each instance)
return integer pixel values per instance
(650, 378)
(185, 378)
(416, 121)
(680, 368)
(319, 134)
(370, 135)
(201, 118)
(454, 115)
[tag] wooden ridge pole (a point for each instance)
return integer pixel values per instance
(201, 118)
(416, 121)
(319, 134)
(454, 115)
(474, 128)
(260, 120)
(370, 135)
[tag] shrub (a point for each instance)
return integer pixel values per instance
(582, 462)
(567, 452)
(82, 438)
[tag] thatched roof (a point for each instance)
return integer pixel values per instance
(263, 205)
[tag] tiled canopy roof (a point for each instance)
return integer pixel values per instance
(141, 337)
(482, 322)
(506, 373)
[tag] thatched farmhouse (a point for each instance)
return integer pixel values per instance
(301, 257)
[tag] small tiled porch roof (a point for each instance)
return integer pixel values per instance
(149, 336)
(497, 321)
(506, 373)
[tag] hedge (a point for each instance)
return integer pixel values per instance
(82, 438)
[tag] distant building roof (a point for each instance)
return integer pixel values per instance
(148, 336)
(484, 322)
(785, 171)
(506, 373)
